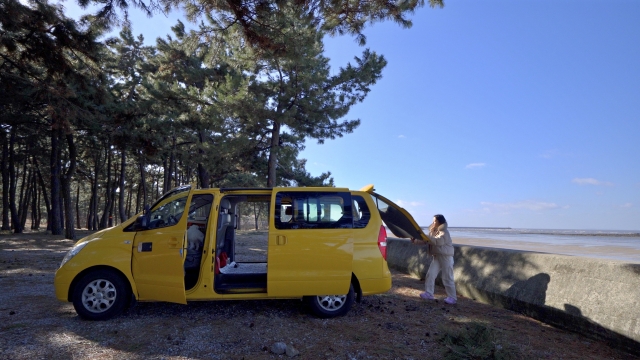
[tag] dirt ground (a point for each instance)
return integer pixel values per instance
(395, 325)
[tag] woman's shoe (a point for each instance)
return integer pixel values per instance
(450, 300)
(427, 296)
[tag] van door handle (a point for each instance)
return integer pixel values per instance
(281, 240)
(145, 247)
(173, 242)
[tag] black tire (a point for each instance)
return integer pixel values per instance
(328, 306)
(101, 295)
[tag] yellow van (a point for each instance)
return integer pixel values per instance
(324, 245)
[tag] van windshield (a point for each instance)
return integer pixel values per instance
(171, 193)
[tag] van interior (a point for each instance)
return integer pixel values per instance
(241, 244)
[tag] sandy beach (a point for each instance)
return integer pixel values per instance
(610, 252)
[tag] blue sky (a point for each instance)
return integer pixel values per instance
(522, 114)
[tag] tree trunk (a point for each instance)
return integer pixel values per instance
(35, 211)
(157, 181)
(93, 217)
(129, 197)
(45, 196)
(56, 213)
(138, 194)
(40, 196)
(256, 213)
(6, 224)
(273, 155)
(112, 195)
(166, 178)
(123, 166)
(24, 206)
(203, 174)
(15, 220)
(174, 163)
(78, 207)
(23, 187)
(69, 217)
(107, 198)
(90, 210)
(143, 184)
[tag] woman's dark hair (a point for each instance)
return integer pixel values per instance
(440, 218)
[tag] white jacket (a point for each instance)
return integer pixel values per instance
(441, 242)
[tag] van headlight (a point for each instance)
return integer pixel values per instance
(73, 252)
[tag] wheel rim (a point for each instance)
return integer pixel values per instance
(99, 295)
(331, 302)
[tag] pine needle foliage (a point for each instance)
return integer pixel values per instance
(336, 17)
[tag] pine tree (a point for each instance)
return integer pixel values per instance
(47, 76)
(129, 66)
(292, 95)
(253, 16)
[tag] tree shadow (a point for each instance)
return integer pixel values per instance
(504, 278)
(572, 319)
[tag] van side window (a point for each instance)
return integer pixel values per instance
(313, 210)
(361, 214)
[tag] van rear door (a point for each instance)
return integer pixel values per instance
(397, 219)
(310, 249)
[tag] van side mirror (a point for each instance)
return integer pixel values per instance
(142, 222)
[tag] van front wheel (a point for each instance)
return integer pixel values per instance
(100, 295)
(328, 306)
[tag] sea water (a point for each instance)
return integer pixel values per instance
(608, 244)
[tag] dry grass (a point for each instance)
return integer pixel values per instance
(395, 325)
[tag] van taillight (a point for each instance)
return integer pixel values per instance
(382, 242)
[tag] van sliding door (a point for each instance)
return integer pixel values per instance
(310, 249)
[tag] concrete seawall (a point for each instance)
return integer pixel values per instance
(597, 298)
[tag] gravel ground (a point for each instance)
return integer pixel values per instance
(395, 325)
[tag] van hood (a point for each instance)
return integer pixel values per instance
(97, 235)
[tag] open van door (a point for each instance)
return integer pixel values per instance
(397, 219)
(159, 249)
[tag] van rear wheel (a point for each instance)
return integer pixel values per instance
(100, 295)
(328, 306)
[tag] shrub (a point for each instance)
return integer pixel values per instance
(476, 340)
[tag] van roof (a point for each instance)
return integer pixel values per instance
(294, 188)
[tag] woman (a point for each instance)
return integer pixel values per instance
(441, 247)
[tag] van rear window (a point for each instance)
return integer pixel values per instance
(313, 210)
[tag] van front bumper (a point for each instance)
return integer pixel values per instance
(62, 282)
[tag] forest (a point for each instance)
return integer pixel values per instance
(95, 125)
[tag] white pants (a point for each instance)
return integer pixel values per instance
(444, 263)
